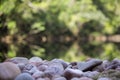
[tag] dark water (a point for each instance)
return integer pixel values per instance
(49, 47)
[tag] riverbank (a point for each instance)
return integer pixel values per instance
(21, 68)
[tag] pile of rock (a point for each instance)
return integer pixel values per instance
(20, 68)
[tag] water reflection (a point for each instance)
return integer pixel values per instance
(59, 47)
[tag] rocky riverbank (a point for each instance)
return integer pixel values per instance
(20, 68)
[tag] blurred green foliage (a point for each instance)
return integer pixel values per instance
(39, 26)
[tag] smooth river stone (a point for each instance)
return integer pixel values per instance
(75, 78)
(89, 65)
(85, 78)
(65, 64)
(116, 61)
(104, 78)
(114, 64)
(60, 78)
(70, 73)
(43, 78)
(35, 60)
(24, 76)
(54, 68)
(112, 74)
(38, 74)
(118, 68)
(42, 67)
(91, 74)
(30, 68)
(8, 71)
(19, 60)
(21, 66)
(102, 67)
(82, 78)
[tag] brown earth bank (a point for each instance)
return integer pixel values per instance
(21, 68)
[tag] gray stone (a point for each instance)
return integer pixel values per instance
(114, 64)
(102, 66)
(82, 78)
(42, 67)
(75, 78)
(8, 71)
(38, 74)
(116, 61)
(19, 60)
(54, 68)
(46, 78)
(60, 78)
(21, 66)
(118, 68)
(70, 73)
(112, 74)
(65, 64)
(104, 78)
(89, 65)
(35, 60)
(30, 68)
(40, 79)
(24, 76)
(91, 74)
(85, 78)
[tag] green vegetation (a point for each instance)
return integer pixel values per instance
(68, 29)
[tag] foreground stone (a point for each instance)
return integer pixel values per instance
(37, 69)
(87, 66)
(24, 76)
(70, 73)
(8, 71)
(17, 60)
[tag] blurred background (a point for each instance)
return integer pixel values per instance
(72, 30)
